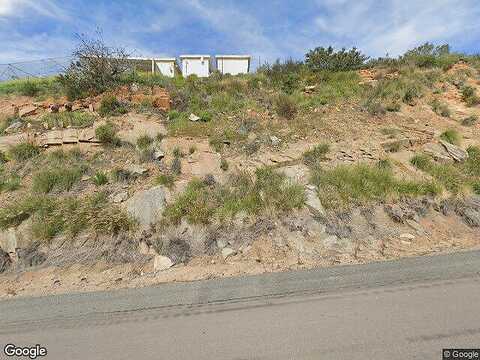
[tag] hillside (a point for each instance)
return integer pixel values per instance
(291, 167)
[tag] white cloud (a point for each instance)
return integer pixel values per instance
(397, 25)
(12, 8)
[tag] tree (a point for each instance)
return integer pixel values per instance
(322, 58)
(95, 67)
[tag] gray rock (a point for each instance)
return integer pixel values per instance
(457, 153)
(407, 236)
(158, 154)
(13, 127)
(312, 201)
(147, 206)
(471, 217)
(193, 117)
(437, 152)
(137, 170)
(5, 261)
(161, 263)
(120, 197)
(275, 140)
(227, 252)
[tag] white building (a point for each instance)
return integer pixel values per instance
(233, 64)
(195, 65)
(165, 66)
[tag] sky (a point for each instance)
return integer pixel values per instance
(266, 29)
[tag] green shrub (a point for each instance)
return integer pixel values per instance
(440, 108)
(9, 182)
(111, 106)
(345, 186)
(285, 106)
(470, 120)
(451, 136)
(421, 161)
(144, 141)
(23, 151)
(70, 216)
(59, 179)
(205, 116)
(314, 156)
(469, 95)
(393, 106)
(224, 164)
(29, 88)
(328, 59)
(75, 119)
(411, 94)
(100, 178)
(202, 202)
(106, 134)
(165, 180)
(6, 122)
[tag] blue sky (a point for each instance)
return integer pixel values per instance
(269, 29)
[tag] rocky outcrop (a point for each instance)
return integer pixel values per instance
(457, 153)
(147, 206)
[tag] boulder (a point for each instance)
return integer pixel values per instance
(120, 197)
(437, 152)
(161, 263)
(227, 252)
(147, 206)
(313, 202)
(457, 153)
(54, 108)
(13, 127)
(275, 140)
(70, 136)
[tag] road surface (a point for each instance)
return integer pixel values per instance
(406, 309)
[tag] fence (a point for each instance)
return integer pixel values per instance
(34, 69)
(54, 66)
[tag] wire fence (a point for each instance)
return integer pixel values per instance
(54, 66)
(34, 68)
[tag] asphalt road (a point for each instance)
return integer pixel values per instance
(406, 309)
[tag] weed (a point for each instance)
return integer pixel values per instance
(314, 156)
(144, 141)
(65, 119)
(165, 180)
(470, 120)
(176, 165)
(106, 134)
(285, 106)
(59, 179)
(224, 164)
(344, 186)
(100, 178)
(440, 108)
(23, 151)
(451, 136)
(469, 95)
(9, 182)
(121, 175)
(111, 106)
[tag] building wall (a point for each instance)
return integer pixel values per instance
(232, 66)
(166, 68)
(198, 67)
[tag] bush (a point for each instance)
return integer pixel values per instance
(165, 180)
(469, 95)
(328, 59)
(66, 119)
(29, 88)
(470, 121)
(144, 141)
(111, 106)
(106, 134)
(421, 161)
(204, 201)
(96, 68)
(69, 216)
(314, 156)
(100, 178)
(451, 136)
(24, 151)
(59, 179)
(440, 108)
(285, 106)
(345, 186)
(9, 182)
